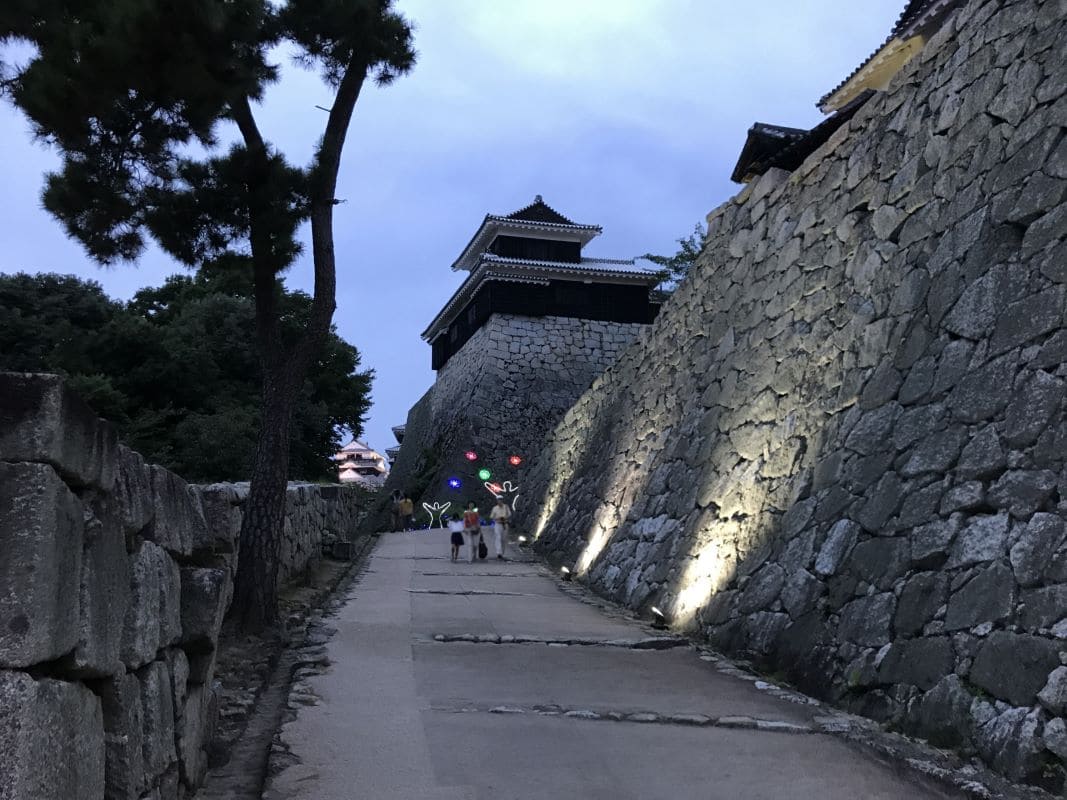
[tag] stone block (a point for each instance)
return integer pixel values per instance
(43, 421)
(1022, 491)
(178, 518)
(1038, 542)
(983, 456)
(762, 589)
(51, 740)
(982, 539)
(153, 616)
(800, 593)
(103, 596)
(839, 543)
(866, 621)
(880, 561)
(123, 737)
(917, 662)
(41, 531)
(1044, 607)
(205, 596)
(157, 703)
(985, 392)
(133, 491)
(1014, 667)
(1011, 743)
(222, 517)
(1054, 694)
(923, 594)
(987, 597)
(943, 716)
(195, 731)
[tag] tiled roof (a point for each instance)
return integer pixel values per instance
(540, 211)
(538, 216)
(597, 265)
(762, 142)
(499, 268)
(915, 14)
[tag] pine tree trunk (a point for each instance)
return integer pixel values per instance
(255, 602)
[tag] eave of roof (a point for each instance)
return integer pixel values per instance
(763, 140)
(492, 267)
(916, 14)
(494, 224)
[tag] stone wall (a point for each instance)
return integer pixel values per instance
(841, 448)
(115, 576)
(499, 396)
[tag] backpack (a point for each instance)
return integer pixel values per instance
(483, 551)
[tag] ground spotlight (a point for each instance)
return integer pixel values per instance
(659, 619)
(523, 541)
(565, 573)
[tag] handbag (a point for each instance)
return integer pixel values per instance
(483, 551)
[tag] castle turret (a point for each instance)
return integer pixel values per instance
(530, 263)
(534, 322)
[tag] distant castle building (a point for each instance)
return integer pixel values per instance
(532, 325)
(358, 463)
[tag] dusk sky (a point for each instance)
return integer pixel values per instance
(629, 114)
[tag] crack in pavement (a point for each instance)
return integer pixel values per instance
(480, 574)
(646, 643)
(820, 725)
(470, 592)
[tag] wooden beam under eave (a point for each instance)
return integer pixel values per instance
(876, 73)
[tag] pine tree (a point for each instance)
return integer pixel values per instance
(134, 95)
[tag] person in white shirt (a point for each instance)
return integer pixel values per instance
(501, 516)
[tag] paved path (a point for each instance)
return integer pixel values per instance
(402, 715)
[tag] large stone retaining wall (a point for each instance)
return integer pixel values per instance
(841, 448)
(499, 396)
(115, 576)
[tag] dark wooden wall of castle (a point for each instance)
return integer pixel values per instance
(611, 302)
(536, 249)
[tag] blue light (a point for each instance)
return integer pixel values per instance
(454, 483)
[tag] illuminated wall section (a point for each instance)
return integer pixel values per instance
(839, 450)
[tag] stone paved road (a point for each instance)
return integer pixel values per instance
(402, 715)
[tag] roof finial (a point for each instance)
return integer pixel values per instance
(538, 199)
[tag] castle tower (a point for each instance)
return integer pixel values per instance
(530, 328)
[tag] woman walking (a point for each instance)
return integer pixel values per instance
(472, 524)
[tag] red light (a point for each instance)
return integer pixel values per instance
(471, 455)
(515, 460)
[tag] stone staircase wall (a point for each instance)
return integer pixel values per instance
(841, 449)
(115, 576)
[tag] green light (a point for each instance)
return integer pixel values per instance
(485, 474)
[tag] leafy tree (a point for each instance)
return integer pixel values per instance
(675, 267)
(172, 369)
(134, 95)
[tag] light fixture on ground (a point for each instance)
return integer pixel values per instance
(565, 573)
(659, 619)
(523, 541)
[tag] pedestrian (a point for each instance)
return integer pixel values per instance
(501, 516)
(395, 522)
(472, 524)
(455, 525)
(407, 513)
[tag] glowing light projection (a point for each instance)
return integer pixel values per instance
(503, 490)
(514, 460)
(436, 510)
(484, 474)
(455, 483)
(470, 455)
